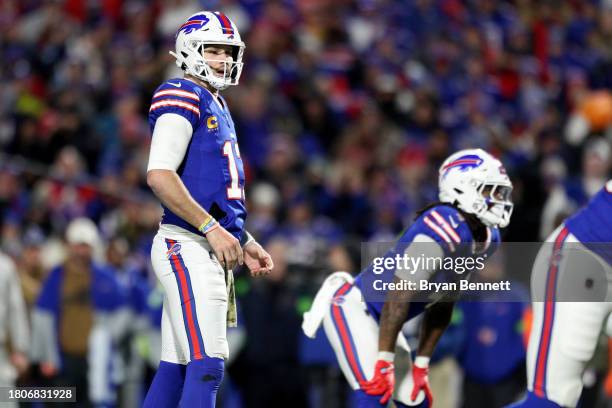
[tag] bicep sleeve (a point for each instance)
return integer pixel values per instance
(171, 137)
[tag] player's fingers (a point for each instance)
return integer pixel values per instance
(415, 392)
(231, 257)
(269, 262)
(386, 396)
(240, 255)
(429, 396)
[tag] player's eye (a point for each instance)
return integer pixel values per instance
(502, 193)
(486, 190)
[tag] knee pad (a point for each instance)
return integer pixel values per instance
(533, 401)
(202, 381)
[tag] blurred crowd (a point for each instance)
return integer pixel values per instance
(344, 112)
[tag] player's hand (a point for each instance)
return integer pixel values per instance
(257, 259)
(48, 369)
(20, 362)
(226, 247)
(383, 381)
(420, 377)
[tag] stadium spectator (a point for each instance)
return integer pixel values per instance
(77, 318)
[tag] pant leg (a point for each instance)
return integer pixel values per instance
(564, 333)
(195, 304)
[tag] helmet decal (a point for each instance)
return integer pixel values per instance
(226, 25)
(194, 23)
(464, 163)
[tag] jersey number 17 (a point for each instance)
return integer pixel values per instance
(231, 151)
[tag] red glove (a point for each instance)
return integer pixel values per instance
(420, 370)
(383, 381)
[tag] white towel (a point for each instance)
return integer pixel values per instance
(320, 306)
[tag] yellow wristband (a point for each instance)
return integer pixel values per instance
(206, 221)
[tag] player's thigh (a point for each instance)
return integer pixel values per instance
(210, 300)
(196, 296)
(174, 345)
(353, 334)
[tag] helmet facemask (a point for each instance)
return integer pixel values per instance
(200, 67)
(494, 205)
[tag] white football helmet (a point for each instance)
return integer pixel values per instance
(207, 28)
(477, 183)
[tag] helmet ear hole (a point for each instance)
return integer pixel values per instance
(184, 54)
(458, 191)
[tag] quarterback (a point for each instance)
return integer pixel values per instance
(196, 171)
(474, 193)
(571, 290)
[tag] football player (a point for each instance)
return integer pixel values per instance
(571, 289)
(196, 171)
(474, 193)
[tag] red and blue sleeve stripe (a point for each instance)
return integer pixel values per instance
(190, 317)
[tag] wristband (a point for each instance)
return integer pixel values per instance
(246, 239)
(421, 362)
(208, 225)
(386, 356)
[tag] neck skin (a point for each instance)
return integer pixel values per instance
(204, 84)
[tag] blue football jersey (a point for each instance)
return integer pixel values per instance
(449, 229)
(592, 225)
(212, 169)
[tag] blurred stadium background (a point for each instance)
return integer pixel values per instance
(344, 112)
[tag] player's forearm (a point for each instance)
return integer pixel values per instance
(436, 320)
(393, 316)
(171, 191)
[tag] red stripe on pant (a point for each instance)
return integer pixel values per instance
(549, 312)
(345, 335)
(184, 292)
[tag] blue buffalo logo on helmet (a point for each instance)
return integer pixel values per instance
(194, 23)
(464, 163)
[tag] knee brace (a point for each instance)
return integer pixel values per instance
(202, 382)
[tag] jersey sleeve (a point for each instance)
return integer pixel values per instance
(180, 100)
(446, 226)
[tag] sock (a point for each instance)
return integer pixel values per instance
(533, 401)
(363, 400)
(202, 382)
(166, 387)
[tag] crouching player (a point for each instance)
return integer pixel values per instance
(474, 193)
(571, 288)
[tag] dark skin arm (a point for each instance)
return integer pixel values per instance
(436, 320)
(395, 312)
(393, 316)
